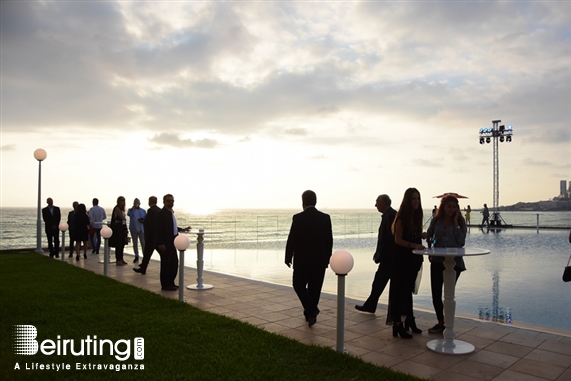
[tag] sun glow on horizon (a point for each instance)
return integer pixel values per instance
(200, 211)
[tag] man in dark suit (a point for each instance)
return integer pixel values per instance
(309, 245)
(383, 255)
(166, 231)
(150, 227)
(52, 217)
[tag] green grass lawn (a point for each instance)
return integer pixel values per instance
(181, 342)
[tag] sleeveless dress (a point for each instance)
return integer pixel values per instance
(118, 239)
(406, 267)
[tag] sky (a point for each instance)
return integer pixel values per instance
(246, 104)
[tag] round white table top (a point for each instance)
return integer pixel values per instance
(201, 232)
(452, 251)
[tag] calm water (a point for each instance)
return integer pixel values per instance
(518, 282)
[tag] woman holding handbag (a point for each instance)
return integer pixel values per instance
(407, 229)
(119, 227)
(81, 226)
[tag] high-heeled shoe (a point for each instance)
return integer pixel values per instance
(398, 329)
(77, 257)
(410, 323)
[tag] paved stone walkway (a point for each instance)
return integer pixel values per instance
(503, 353)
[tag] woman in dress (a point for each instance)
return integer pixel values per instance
(81, 225)
(407, 229)
(449, 230)
(119, 227)
(468, 211)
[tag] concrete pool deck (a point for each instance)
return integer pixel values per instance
(502, 352)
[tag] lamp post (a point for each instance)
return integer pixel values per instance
(63, 226)
(106, 233)
(341, 263)
(181, 242)
(494, 133)
(40, 155)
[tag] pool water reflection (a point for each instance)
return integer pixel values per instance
(519, 281)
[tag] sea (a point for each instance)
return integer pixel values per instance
(519, 283)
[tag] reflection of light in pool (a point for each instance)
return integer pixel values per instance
(528, 265)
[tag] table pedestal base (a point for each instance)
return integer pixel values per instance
(458, 347)
(200, 287)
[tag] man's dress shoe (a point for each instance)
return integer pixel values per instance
(363, 309)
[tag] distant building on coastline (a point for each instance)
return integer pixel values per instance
(564, 192)
(562, 202)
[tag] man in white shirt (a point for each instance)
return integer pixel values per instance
(136, 219)
(96, 216)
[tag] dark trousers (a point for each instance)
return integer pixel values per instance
(72, 241)
(119, 253)
(402, 286)
(53, 241)
(307, 284)
(436, 284)
(382, 277)
(169, 266)
(147, 254)
(95, 240)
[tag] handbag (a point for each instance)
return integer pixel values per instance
(567, 271)
(417, 281)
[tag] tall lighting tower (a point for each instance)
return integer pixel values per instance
(488, 135)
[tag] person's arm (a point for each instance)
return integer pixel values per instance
(460, 235)
(459, 229)
(401, 242)
(430, 231)
(385, 240)
(329, 236)
(160, 236)
(119, 214)
(290, 245)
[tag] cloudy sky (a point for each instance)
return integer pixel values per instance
(246, 104)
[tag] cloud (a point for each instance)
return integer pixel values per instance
(296, 131)
(166, 139)
(434, 163)
(536, 163)
(8, 147)
(237, 68)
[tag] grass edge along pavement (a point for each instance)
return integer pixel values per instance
(181, 342)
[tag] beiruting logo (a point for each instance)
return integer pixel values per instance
(25, 343)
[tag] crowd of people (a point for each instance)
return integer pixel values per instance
(154, 229)
(309, 247)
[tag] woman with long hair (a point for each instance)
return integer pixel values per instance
(119, 227)
(81, 225)
(449, 230)
(407, 229)
(468, 211)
